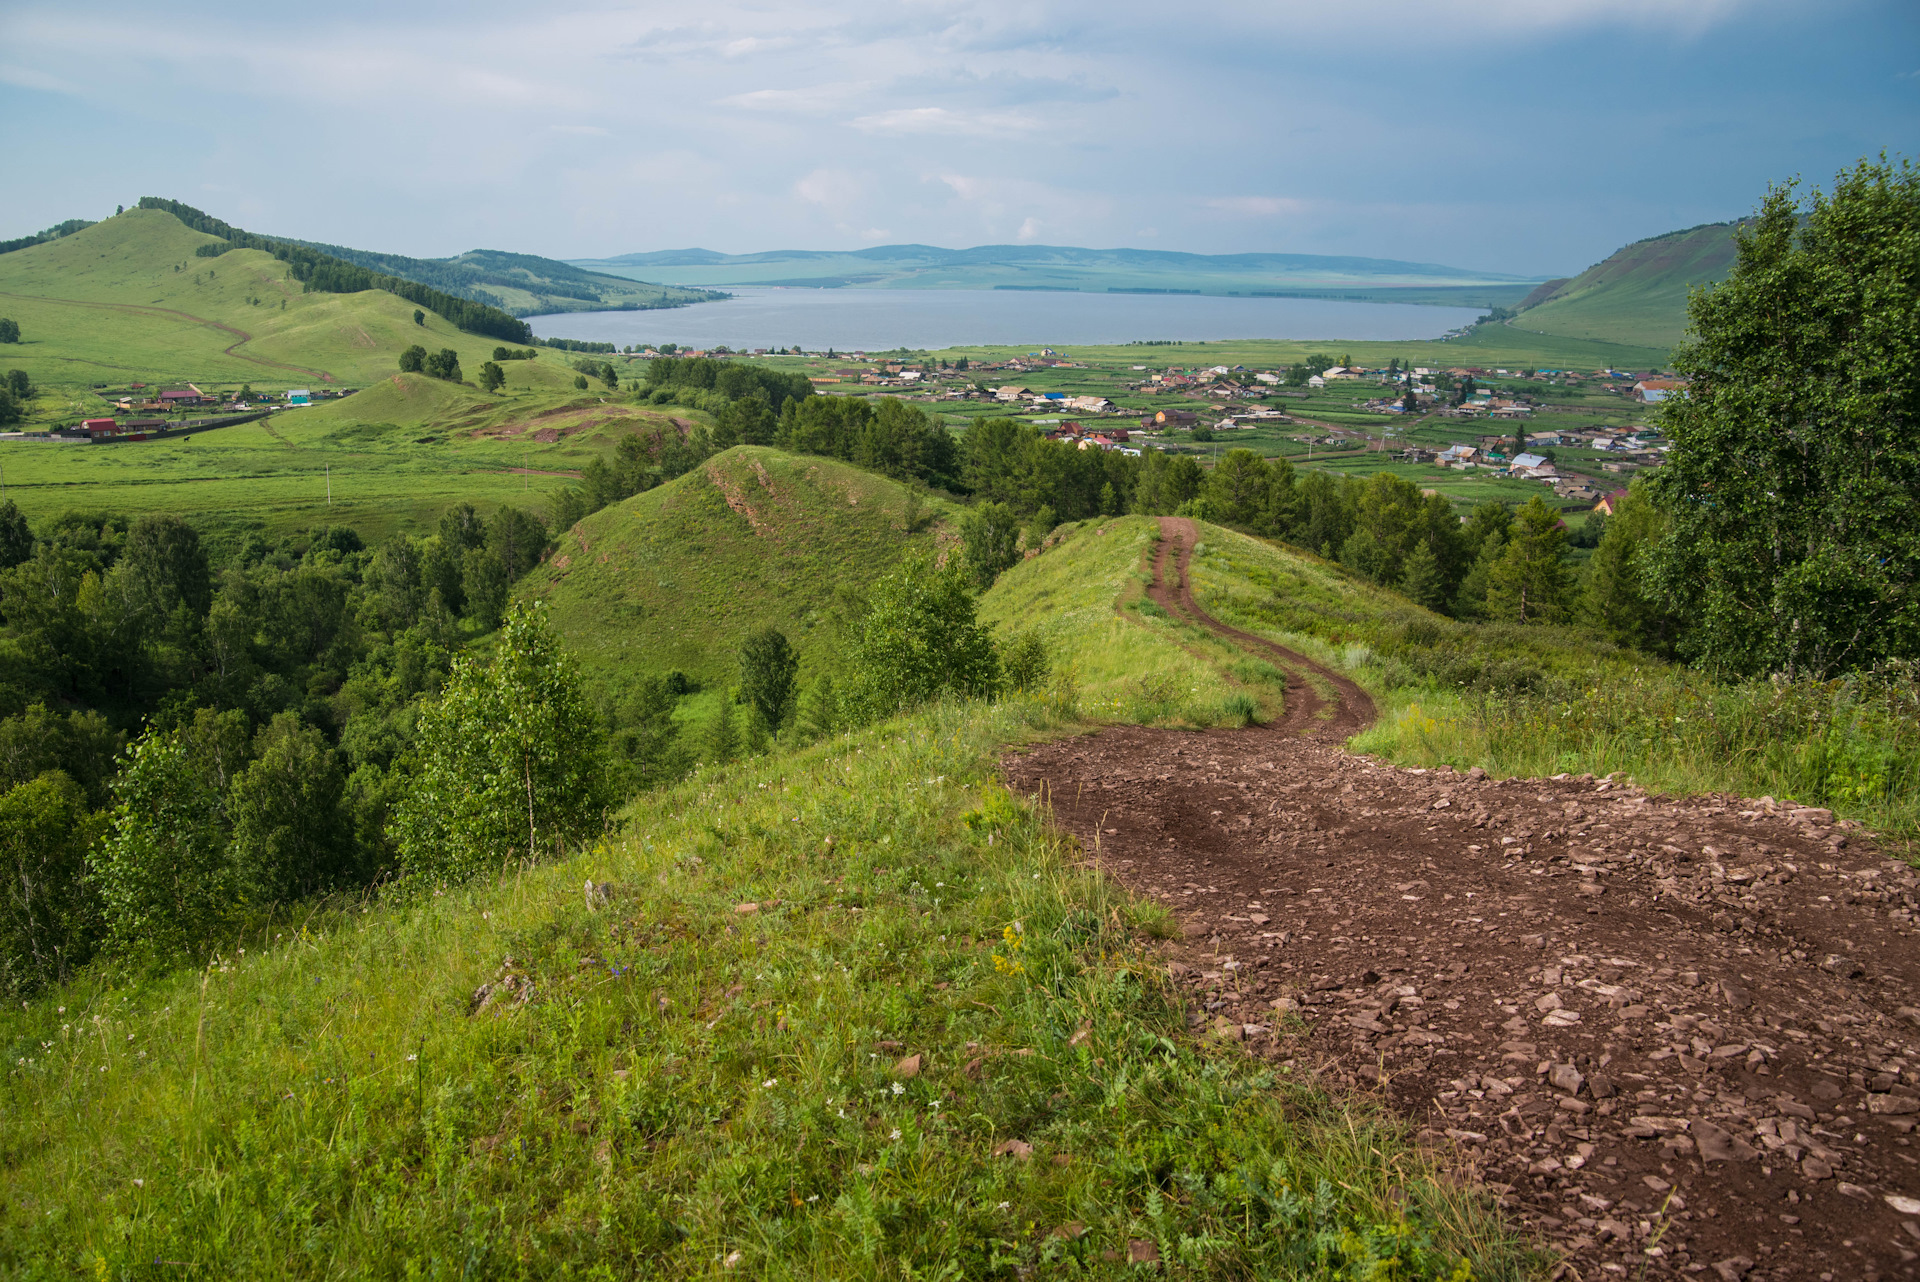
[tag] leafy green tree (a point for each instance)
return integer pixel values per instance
(419, 317)
(19, 384)
(516, 539)
(167, 565)
(162, 869)
(1618, 600)
(492, 377)
(49, 911)
(1792, 488)
(443, 364)
(413, 360)
(919, 640)
(512, 760)
(9, 330)
(1484, 540)
(80, 744)
(579, 382)
(292, 836)
(610, 376)
(769, 677)
(11, 410)
(484, 585)
(16, 539)
(990, 537)
(1530, 583)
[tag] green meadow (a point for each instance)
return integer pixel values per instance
(393, 456)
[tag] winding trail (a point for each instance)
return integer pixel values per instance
(1674, 1037)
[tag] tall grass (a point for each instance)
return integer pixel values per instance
(1851, 744)
(1541, 700)
(715, 1070)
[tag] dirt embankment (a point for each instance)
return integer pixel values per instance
(1676, 1037)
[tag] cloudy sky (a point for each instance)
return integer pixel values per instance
(1525, 136)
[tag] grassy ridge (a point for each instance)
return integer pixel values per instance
(1085, 596)
(856, 1013)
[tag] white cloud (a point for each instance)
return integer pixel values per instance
(28, 78)
(1029, 230)
(1256, 206)
(939, 120)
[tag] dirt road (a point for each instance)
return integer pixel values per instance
(1677, 1037)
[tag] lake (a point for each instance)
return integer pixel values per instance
(930, 319)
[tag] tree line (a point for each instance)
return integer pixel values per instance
(193, 735)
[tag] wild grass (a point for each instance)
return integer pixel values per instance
(1542, 700)
(854, 1012)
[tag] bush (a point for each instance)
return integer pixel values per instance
(919, 640)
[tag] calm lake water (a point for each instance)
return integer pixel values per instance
(858, 319)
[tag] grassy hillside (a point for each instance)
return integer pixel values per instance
(127, 300)
(1639, 294)
(856, 1012)
(676, 576)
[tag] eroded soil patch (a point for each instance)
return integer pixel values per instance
(1676, 1037)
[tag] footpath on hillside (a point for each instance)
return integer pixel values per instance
(1675, 1037)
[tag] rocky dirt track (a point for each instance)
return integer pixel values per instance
(1676, 1037)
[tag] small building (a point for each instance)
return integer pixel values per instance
(1652, 391)
(299, 396)
(179, 399)
(100, 427)
(1610, 503)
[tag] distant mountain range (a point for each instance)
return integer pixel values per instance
(1638, 294)
(523, 284)
(1056, 267)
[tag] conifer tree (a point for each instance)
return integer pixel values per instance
(1529, 583)
(721, 743)
(1420, 579)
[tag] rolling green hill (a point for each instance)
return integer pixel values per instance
(128, 299)
(1055, 267)
(676, 576)
(1639, 294)
(524, 284)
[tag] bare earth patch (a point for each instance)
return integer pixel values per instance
(1676, 1037)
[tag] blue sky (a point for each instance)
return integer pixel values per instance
(1524, 136)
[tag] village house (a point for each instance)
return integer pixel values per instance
(1652, 391)
(1610, 502)
(1532, 465)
